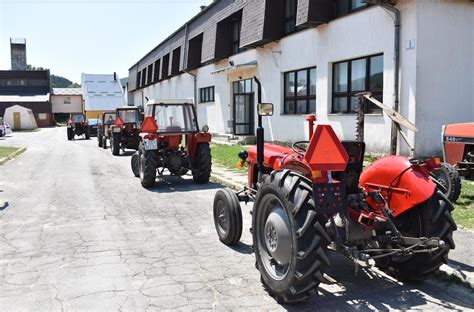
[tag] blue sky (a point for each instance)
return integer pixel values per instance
(92, 36)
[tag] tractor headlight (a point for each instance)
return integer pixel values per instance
(205, 129)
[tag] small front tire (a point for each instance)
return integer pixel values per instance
(115, 145)
(148, 166)
(70, 134)
(227, 216)
(135, 163)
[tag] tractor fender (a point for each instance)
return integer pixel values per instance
(403, 185)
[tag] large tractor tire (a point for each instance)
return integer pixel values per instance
(135, 163)
(289, 238)
(429, 219)
(115, 144)
(202, 164)
(148, 166)
(99, 140)
(70, 134)
(227, 216)
(449, 178)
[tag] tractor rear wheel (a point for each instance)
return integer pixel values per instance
(227, 216)
(449, 178)
(202, 164)
(148, 166)
(135, 162)
(429, 219)
(289, 238)
(70, 134)
(115, 144)
(99, 140)
(88, 133)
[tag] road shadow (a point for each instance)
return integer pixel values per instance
(369, 290)
(242, 248)
(174, 184)
(461, 266)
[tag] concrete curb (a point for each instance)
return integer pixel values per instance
(12, 156)
(465, 278)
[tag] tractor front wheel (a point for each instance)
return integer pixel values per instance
(202, 164)
(148, 165)
(135, 163)
(70, 134)
(289, 238)
(429, 219)
(115, 144)
(88, 133)
(449, 178)
(227, 216)
(104, 142)
(99, 140)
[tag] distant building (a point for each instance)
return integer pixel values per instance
(18, 53)
(30, 89)
(101, 93)
(65, 101)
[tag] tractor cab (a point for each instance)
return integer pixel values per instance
(77, 126)
(125, 130)
(104, 124)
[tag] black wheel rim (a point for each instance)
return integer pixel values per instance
(274, 237)
(222, 218)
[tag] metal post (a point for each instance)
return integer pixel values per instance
(260, 131)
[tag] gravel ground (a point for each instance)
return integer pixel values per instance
(80, 233)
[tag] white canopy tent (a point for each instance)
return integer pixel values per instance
(20, 118)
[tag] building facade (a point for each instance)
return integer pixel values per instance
(65, 101)
(313, 56)
(30, 89)
(101, 93)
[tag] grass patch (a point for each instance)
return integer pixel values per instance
(7, 151)
(227, 155)
(32, 130)
(463, 212)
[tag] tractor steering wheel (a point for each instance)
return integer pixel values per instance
(300, 147)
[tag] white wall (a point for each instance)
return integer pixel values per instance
(445, 69)
(58, 106)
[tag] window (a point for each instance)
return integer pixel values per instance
(175, 62)
(139, 79)
(150, 74)
(290, 16)
(355, 76)
(165, 67)
(206, 95)
(156, 75)
(144, 77)
(344, 7)
(195, 52)
(43, 116)
(236, 25)
(67, 100)
(300, 91)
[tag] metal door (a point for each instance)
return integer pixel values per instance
(243, 114)
(16, 120)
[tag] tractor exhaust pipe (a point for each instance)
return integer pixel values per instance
(260, 132)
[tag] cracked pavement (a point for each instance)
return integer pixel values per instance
(80, 233)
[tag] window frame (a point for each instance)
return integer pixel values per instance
(289, 19)
(351, 9)
(236, 41)
(350, 93)
(308, 97)
(207, 94)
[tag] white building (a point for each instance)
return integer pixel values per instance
(66, 100)
(335, 49)
(101, 93)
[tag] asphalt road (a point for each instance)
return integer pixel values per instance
(80, 233)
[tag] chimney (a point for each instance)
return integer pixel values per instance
(18, 53)
(203, 7)
(115, 76)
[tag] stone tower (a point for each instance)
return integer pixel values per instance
(18, 53)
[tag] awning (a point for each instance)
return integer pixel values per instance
(252, 64)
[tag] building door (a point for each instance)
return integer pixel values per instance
(243, 107)
(16, 120)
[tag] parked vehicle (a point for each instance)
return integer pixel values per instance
(77, 126)
(126, 130)
(458, 148)
(93, 124)
(105, 122)
(314, 193)
(170, 139)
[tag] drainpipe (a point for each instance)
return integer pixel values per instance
(396, 83)
(185, 61)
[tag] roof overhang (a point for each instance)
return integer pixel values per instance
(252, 64)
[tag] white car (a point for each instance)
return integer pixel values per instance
(5, 129)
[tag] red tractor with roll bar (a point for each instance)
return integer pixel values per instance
(315, 196)
(125, 132)
(170, 140)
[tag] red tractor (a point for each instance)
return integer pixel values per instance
(314, 196)
(125, 132)
(77, 125)
(170, 140)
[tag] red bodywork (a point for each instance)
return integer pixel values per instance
(458, 140)
(404, 185)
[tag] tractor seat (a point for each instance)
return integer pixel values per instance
(173, 129)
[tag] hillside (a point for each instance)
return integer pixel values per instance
(57, 81)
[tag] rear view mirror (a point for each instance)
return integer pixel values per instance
(265, 109)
